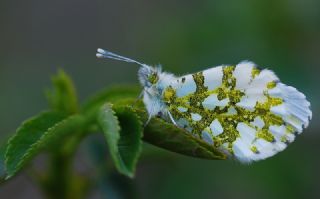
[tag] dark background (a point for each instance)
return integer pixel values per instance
(39, 36)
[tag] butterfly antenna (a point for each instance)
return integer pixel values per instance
(107, 54)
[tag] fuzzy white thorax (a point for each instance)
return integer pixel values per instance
(153, 91)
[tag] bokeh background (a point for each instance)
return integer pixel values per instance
(39, 36)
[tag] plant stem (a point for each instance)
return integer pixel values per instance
(60, 176)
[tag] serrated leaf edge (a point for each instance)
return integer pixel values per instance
(9, 146)
(113, 109)
(33, 146)
(109, 106)
(140, 124)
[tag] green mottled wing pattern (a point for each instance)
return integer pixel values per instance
(245, 112)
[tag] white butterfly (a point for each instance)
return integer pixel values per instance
(245, 112)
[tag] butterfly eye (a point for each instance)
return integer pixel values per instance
(153, 78)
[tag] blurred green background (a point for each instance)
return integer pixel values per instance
(37, 37)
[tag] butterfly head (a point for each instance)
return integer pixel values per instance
(149, 76)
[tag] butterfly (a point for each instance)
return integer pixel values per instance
(245, 112)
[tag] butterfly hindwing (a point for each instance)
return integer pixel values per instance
(244, 111)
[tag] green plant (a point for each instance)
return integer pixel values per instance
(112, 111)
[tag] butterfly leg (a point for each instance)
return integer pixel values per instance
(147, 122)
(140, 95)
(138, 98)
(171, 118)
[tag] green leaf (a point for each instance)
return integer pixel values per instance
(166, 135)
(124, 142)
(38, 134)
(63, 96)
(158, 132)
